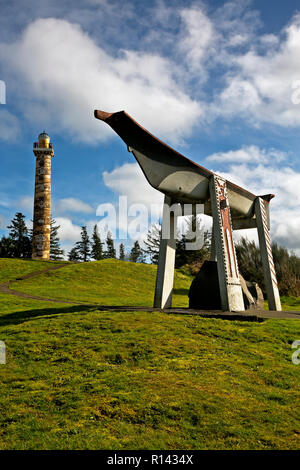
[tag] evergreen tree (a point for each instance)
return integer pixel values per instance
(122, 252)
(181, 252)
(73, 255)
(287, 266)
(249, 261)
(152, 242)
(193, 248)
(97, 250)
(21, 242)
(137, 255)
(84, 246)
(6, 248)
(110, 247)
(184, 256)
(56, 253)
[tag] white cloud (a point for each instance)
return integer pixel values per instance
(9, 125)
(64, 75)
(144, 203)
(250, 235)
(286, 230)
(67, 247)
(259, 86)
(71, 204)
(269, 39)
(207, 41)
(68, 231)
(268, 178)
(4, 203)
(284, 182)
(2, 223)
(235, 19)
(60, 206)
(197, 37)
(129, 180)
(249, 154)
(26, 203)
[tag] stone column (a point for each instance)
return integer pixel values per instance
(228, 273)
(166, 258)
(266, 254)
(42, 204)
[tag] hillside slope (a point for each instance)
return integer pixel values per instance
(80, 378)
(12, 268)
(107, 282)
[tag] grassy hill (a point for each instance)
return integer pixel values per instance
(11, 269)
(107, 282)
(80, 378)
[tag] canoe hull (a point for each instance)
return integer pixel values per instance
(177, 176)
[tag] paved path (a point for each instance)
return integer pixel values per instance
(256, 315)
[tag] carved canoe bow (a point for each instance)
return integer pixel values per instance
(175, 175)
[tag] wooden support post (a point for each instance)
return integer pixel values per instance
(213, 253)
(266, 254)
(229, 281)
(166, 258)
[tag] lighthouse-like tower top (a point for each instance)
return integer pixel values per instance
(43, 146)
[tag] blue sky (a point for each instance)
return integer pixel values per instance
(214, 79)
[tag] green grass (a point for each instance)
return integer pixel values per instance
(107, 282)
(11, 269)
(290, 303)
(78, 378)
(95, 283)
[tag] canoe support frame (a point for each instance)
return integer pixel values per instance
(222, 250)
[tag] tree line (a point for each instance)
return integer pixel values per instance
(86, 248)
(192, 259)
(18, 243)
(287, 265)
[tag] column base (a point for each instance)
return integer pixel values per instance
(41, 258)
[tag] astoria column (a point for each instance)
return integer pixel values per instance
(43, 150)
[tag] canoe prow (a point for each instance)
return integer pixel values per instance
(175, 175)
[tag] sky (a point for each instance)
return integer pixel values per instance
(217, 80)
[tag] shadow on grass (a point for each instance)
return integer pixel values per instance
(25, 315)
(181, 291)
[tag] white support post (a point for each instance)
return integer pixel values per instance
(166, 258)
(266, 254)
(229, 280)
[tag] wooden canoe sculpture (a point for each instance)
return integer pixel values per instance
(183, 181)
